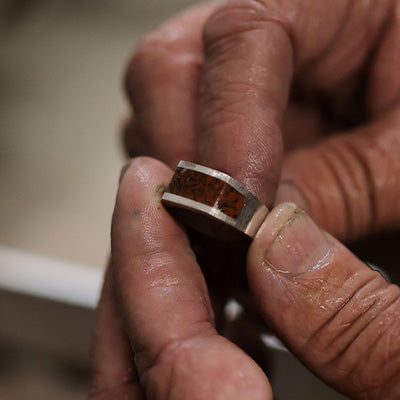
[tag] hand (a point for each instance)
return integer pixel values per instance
(232, 86)
(336, 314)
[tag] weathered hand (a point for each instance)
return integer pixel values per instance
(250, 86)
(225, 85)
(164, 304)
(157, 338)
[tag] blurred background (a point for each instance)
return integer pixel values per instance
(61, 106)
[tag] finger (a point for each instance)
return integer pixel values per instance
(161, 83)
(131, 141)
(350, 184)
(243, 95)
(337, 315)
(113, 373)
(165, 302)
(384, 86)
(135, 140)
(252, 49)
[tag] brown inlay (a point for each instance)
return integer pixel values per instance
(208, 190)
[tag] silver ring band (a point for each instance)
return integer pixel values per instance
(213, 202)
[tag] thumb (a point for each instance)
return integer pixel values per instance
(339, 317)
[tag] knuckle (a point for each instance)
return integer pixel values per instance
(139, 61)
(366, 186)
(160, 57)
(343, 198)
(173, 352)
(146, 50)
(343, 309)
(361, 219)
(359, 192)
(360, 326)
(240, 16)
(236, 15)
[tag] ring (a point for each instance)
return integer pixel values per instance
(213, 203)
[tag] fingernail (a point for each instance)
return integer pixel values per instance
(299, 244)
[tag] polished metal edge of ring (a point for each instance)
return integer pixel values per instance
(189, 204)
(251, 216)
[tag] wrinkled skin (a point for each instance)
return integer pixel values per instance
(298, 100)
(321, 77)
(155, 332)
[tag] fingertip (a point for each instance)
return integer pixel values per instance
(146, 173)
(138, 206)
(149, 167)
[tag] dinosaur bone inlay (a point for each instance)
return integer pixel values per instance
(213, 192)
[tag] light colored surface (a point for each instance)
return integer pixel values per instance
(49, 278)
(61, 106)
